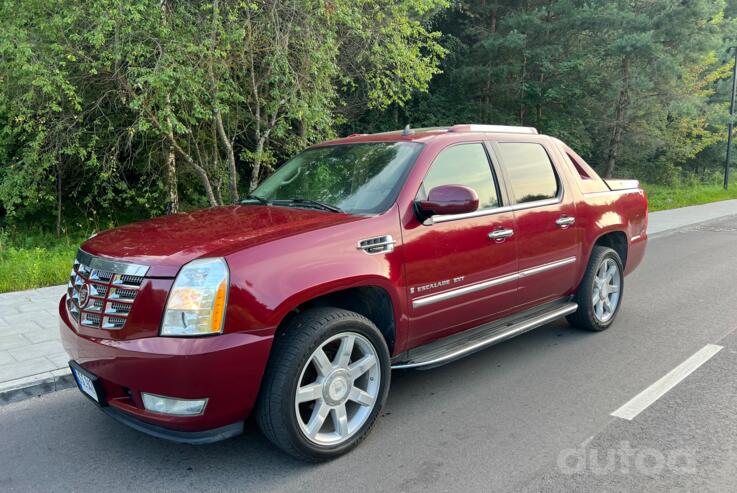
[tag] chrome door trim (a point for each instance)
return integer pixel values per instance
(496, 210)
(471, 288)
(468, 215)
(496, 281)
(539, 203)
(546, 267)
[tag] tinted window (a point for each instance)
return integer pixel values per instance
(530, 172)
(358, 178)
(465, 165)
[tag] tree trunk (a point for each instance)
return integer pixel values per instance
(58, 201)
(539, 106)
(619, 120)
(227, 143)
(171, 158)
(230, 154)
(199, 169)
(171, 180)
(487, 98)
(256, 170)
(522, 91)
(217, 186)
(169, 134)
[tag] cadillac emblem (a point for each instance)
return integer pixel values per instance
(84, 295)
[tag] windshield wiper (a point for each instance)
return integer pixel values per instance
(315, 203)
(258, 199)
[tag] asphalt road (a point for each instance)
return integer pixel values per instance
(531, 414)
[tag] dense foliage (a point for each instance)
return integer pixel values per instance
(639, 88)
(116, 109)
(111, 105)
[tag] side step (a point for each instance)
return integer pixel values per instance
(457, 346)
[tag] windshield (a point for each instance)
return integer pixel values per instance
(356, 178)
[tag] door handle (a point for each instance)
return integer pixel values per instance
(565, 221)
(501, 234)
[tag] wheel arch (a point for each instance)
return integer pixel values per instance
(616, 240)
(372, 301)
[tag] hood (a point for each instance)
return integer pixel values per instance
(168, 242)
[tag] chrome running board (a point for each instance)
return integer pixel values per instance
(457, 346)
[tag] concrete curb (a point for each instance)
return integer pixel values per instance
(35, 385)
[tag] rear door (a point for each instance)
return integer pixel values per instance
(457, 275)
(546, 231)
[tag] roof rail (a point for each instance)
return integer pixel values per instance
(414, 130)
(506, 129)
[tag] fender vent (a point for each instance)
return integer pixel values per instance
(377, 245)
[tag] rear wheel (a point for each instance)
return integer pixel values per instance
(600, 292)
(327, 380)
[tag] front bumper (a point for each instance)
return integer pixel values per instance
(226, 369)
(190, 437)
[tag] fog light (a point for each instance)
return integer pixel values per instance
(168, 405)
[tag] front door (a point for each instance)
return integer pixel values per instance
(459, 276)
(547, 232)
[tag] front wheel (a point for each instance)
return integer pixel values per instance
(600, 293)
(327, 380)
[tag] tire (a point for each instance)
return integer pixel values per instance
(595, 316)
(328, 384)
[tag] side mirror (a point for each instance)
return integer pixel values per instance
(448, 199)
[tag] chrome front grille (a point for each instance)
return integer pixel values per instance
(123, 294)
(110, 287)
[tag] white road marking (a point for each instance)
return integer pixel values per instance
(654, 392)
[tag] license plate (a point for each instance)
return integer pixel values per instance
(85, 384)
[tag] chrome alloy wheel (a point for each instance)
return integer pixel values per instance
(607, 283)
(337, 389)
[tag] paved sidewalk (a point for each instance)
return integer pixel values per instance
(662, 221)
(32, 361)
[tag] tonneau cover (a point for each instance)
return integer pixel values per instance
(622, 184)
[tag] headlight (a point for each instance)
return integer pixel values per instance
(196, 304)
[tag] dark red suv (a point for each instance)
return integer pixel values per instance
(361, 255)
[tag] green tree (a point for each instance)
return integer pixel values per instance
(109, 101)
(630, 84)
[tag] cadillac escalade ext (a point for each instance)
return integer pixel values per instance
(359, 256)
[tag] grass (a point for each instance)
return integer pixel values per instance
(662, 197)
(32, 257)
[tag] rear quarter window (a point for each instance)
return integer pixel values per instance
(529, 171)
(586, 178)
